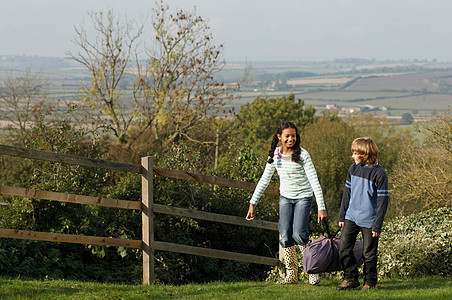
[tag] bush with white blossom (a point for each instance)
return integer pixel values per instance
(419, 244)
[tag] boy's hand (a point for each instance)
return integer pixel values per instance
(341, 224)
(250, 215)
(322, 216)
(375, 234)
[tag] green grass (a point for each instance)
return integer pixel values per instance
(420, 288)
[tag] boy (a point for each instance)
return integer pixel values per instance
(363, 207)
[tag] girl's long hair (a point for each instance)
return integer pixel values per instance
(275, 140)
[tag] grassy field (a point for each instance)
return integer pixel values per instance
(421, 288)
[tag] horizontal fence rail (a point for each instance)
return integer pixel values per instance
(68, 238)
(215, 253)
(208, 216)
(127, 204)
(249, 186)
(70, 198)
(128, 167)
(69, 159)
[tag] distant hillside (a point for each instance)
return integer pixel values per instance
(35, 63)
(419, 87)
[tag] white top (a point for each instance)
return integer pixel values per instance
(297, 180)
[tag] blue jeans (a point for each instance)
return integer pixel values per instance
(293, 221)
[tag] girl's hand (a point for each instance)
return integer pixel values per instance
(250, 215)
(321, 216)
(341, 224)
(375, 234)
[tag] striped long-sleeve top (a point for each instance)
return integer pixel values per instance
(297, 179)
(365, 198)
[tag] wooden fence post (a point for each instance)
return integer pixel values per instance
(147, 219)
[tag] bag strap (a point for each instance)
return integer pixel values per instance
(327, 228)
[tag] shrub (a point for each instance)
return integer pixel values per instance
(60, 260)
(419, 244)
(421, 179)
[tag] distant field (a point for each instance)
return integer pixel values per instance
(319, 81)
(431, 101)
(402, 86)
(420, 81)
(393, 100)
(349, 95)
(401, 92)
(403, 101)
(447, 80)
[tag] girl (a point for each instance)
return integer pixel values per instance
(298, 181)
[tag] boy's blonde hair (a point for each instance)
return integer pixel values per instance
(366, 149)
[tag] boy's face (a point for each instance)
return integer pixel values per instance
(358, 159)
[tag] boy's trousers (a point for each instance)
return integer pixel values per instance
(347, 258)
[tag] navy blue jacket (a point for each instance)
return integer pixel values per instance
(365, 198)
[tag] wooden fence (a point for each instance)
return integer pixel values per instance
(147, 206)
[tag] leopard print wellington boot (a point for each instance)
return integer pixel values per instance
(291, 262)
(313, 278)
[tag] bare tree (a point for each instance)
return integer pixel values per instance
(177, 85)
(21, 97)
(106, 58)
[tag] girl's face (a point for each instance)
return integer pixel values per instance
(288, 137)
(358, 159)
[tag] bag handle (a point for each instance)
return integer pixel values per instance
(327, 228)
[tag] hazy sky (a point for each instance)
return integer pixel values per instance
(255, 30)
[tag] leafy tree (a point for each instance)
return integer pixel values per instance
(390, 139)
(438, 131)
(407, 118)
(257, 122)
(328, 142)
(422, 178)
